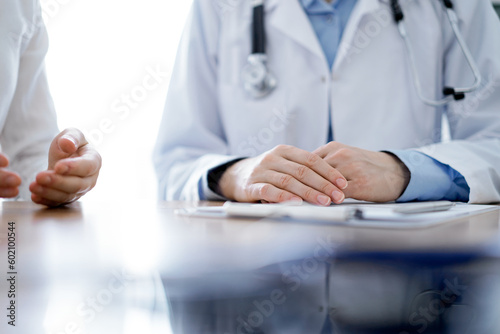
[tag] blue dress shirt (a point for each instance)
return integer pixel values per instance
(430, 179)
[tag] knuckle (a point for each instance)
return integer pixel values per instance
(334, 146)
(282, 196)
(309, 195)
(312, 159)
(301, 172)
(71, 167)
(343, 153)
(285, 181)
(264, 191)
(281, 148)
(326, 188)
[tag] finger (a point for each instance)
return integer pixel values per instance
(322, 151)
(68, 184)
(10, 192)
(52, 195)
(85, 165)
(290, 184)
(71, 140)
(317, 164)
(269, 193)
(40, 200)
(329, 148)
(9, 179)
(4, 162)
(310, 178)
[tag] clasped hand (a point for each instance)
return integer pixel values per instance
(331, 173)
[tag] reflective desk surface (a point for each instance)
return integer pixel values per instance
(125, 267)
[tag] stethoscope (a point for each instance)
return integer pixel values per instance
(260, 82)
(257, 80)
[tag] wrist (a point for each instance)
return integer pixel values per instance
(402, 172)
(215, 178)
(228, 182)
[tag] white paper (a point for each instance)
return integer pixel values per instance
(374, 215)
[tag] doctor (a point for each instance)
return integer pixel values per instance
(36, 161)
(345, 118)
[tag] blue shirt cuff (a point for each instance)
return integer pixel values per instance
(431, 180)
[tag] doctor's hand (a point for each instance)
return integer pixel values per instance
(282, 174)
(373, 176)
(9, 181)
(73, 169)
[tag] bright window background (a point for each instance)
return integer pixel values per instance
(100, 54)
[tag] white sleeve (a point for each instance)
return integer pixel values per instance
(31, 122)
(474, 150)
(191, 139)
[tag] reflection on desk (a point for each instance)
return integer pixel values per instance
(138, 268)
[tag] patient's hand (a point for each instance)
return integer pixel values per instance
(73, 170)
(9, 181)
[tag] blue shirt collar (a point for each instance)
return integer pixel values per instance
(318, 6)
(307, 3)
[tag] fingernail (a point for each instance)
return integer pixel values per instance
(324, 200)
(11, 181)
(341, 183)
(338, 196)
(296, 200)
(71, 139)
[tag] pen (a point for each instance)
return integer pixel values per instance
(424, 207)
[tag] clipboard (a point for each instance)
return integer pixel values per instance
(352, 213)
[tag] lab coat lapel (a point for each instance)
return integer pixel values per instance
(362, 8)
(289, 17)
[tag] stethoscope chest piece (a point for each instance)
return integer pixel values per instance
(257, 80)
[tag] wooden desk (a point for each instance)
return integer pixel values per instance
(113, 253)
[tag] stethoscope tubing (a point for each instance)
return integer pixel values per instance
(258, 57)
(453, 20)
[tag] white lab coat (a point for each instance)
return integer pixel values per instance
(27, 118)
(209, 119)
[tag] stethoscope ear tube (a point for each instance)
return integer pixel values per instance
(258, 81)
(397, 11)
(258, 30)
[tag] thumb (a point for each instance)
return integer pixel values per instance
(70, 140)
(4, 162)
